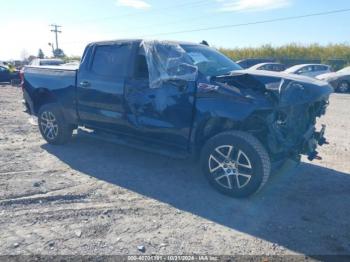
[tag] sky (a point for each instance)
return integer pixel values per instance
(25, 24)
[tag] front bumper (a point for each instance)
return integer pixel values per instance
(313, 139)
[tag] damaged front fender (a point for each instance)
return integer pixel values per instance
(294, 104)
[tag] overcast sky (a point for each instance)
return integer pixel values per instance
(25, 24)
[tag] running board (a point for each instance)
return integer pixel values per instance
(134, 143)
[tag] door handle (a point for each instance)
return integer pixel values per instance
(85, 84)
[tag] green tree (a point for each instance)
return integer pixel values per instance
(336, 55)
(58, 53)
(41, 54)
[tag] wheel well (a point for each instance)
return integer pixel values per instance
(43, 97)
(211, 128)
(253, 125)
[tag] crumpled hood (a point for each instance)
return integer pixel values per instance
(286, 89)
(281, 75)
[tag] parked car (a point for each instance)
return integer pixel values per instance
(311, 70)
(276, 67)
(183, 99)
(6, 75)
(72, 63)
(46, 62)
(249, 62)
(340, 80)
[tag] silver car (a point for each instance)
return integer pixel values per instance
(311, 70)
(340, 80)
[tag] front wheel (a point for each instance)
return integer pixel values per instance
(52, 125)
(343, 87)
(236, 163)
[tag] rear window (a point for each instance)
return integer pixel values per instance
(111, 61)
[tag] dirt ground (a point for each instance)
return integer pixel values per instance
(91, 197)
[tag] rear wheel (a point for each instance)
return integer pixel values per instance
(343, 87)
(236, 163)
(52, 125)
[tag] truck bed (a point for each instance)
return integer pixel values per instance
(58, 81)
(50, 76)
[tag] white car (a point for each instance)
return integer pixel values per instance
(46, 62)
(311, 70)
(276, 67)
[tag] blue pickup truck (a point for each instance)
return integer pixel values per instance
(183, 99)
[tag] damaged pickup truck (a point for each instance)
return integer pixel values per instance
(182, 99)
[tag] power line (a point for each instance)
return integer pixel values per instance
(252, 23)
(244, 24)
(56, 31)
(184, 20)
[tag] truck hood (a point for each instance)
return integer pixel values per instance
(280, 88)
(280, 75)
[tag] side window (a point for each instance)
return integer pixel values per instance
(322, 68)
(269, 67)
(111, 61)
(305, 69)
(141, 67)
(276, 68)
(302, 70)
(2, 69)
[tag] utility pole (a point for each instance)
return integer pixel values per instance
(56, 31)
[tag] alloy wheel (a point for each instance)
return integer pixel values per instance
(49, 125)
(343, 87)
(230, 166)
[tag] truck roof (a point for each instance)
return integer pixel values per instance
(139, 41)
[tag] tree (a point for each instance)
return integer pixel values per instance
(41, 54)
(58, 53)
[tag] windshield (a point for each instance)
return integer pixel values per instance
(209, 61)
(293, 69)
(345, 70)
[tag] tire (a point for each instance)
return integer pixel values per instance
(343, 87)
(52, 125)
(235, 163)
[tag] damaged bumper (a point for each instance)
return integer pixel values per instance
(313, 139)
(292, 131)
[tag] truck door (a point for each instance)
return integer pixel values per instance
(163, 111)
(100, 87)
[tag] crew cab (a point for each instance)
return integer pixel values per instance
(182, 99)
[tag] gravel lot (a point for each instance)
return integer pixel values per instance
(91, 197)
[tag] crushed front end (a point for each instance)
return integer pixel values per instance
(292, 130)
(287, 126)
